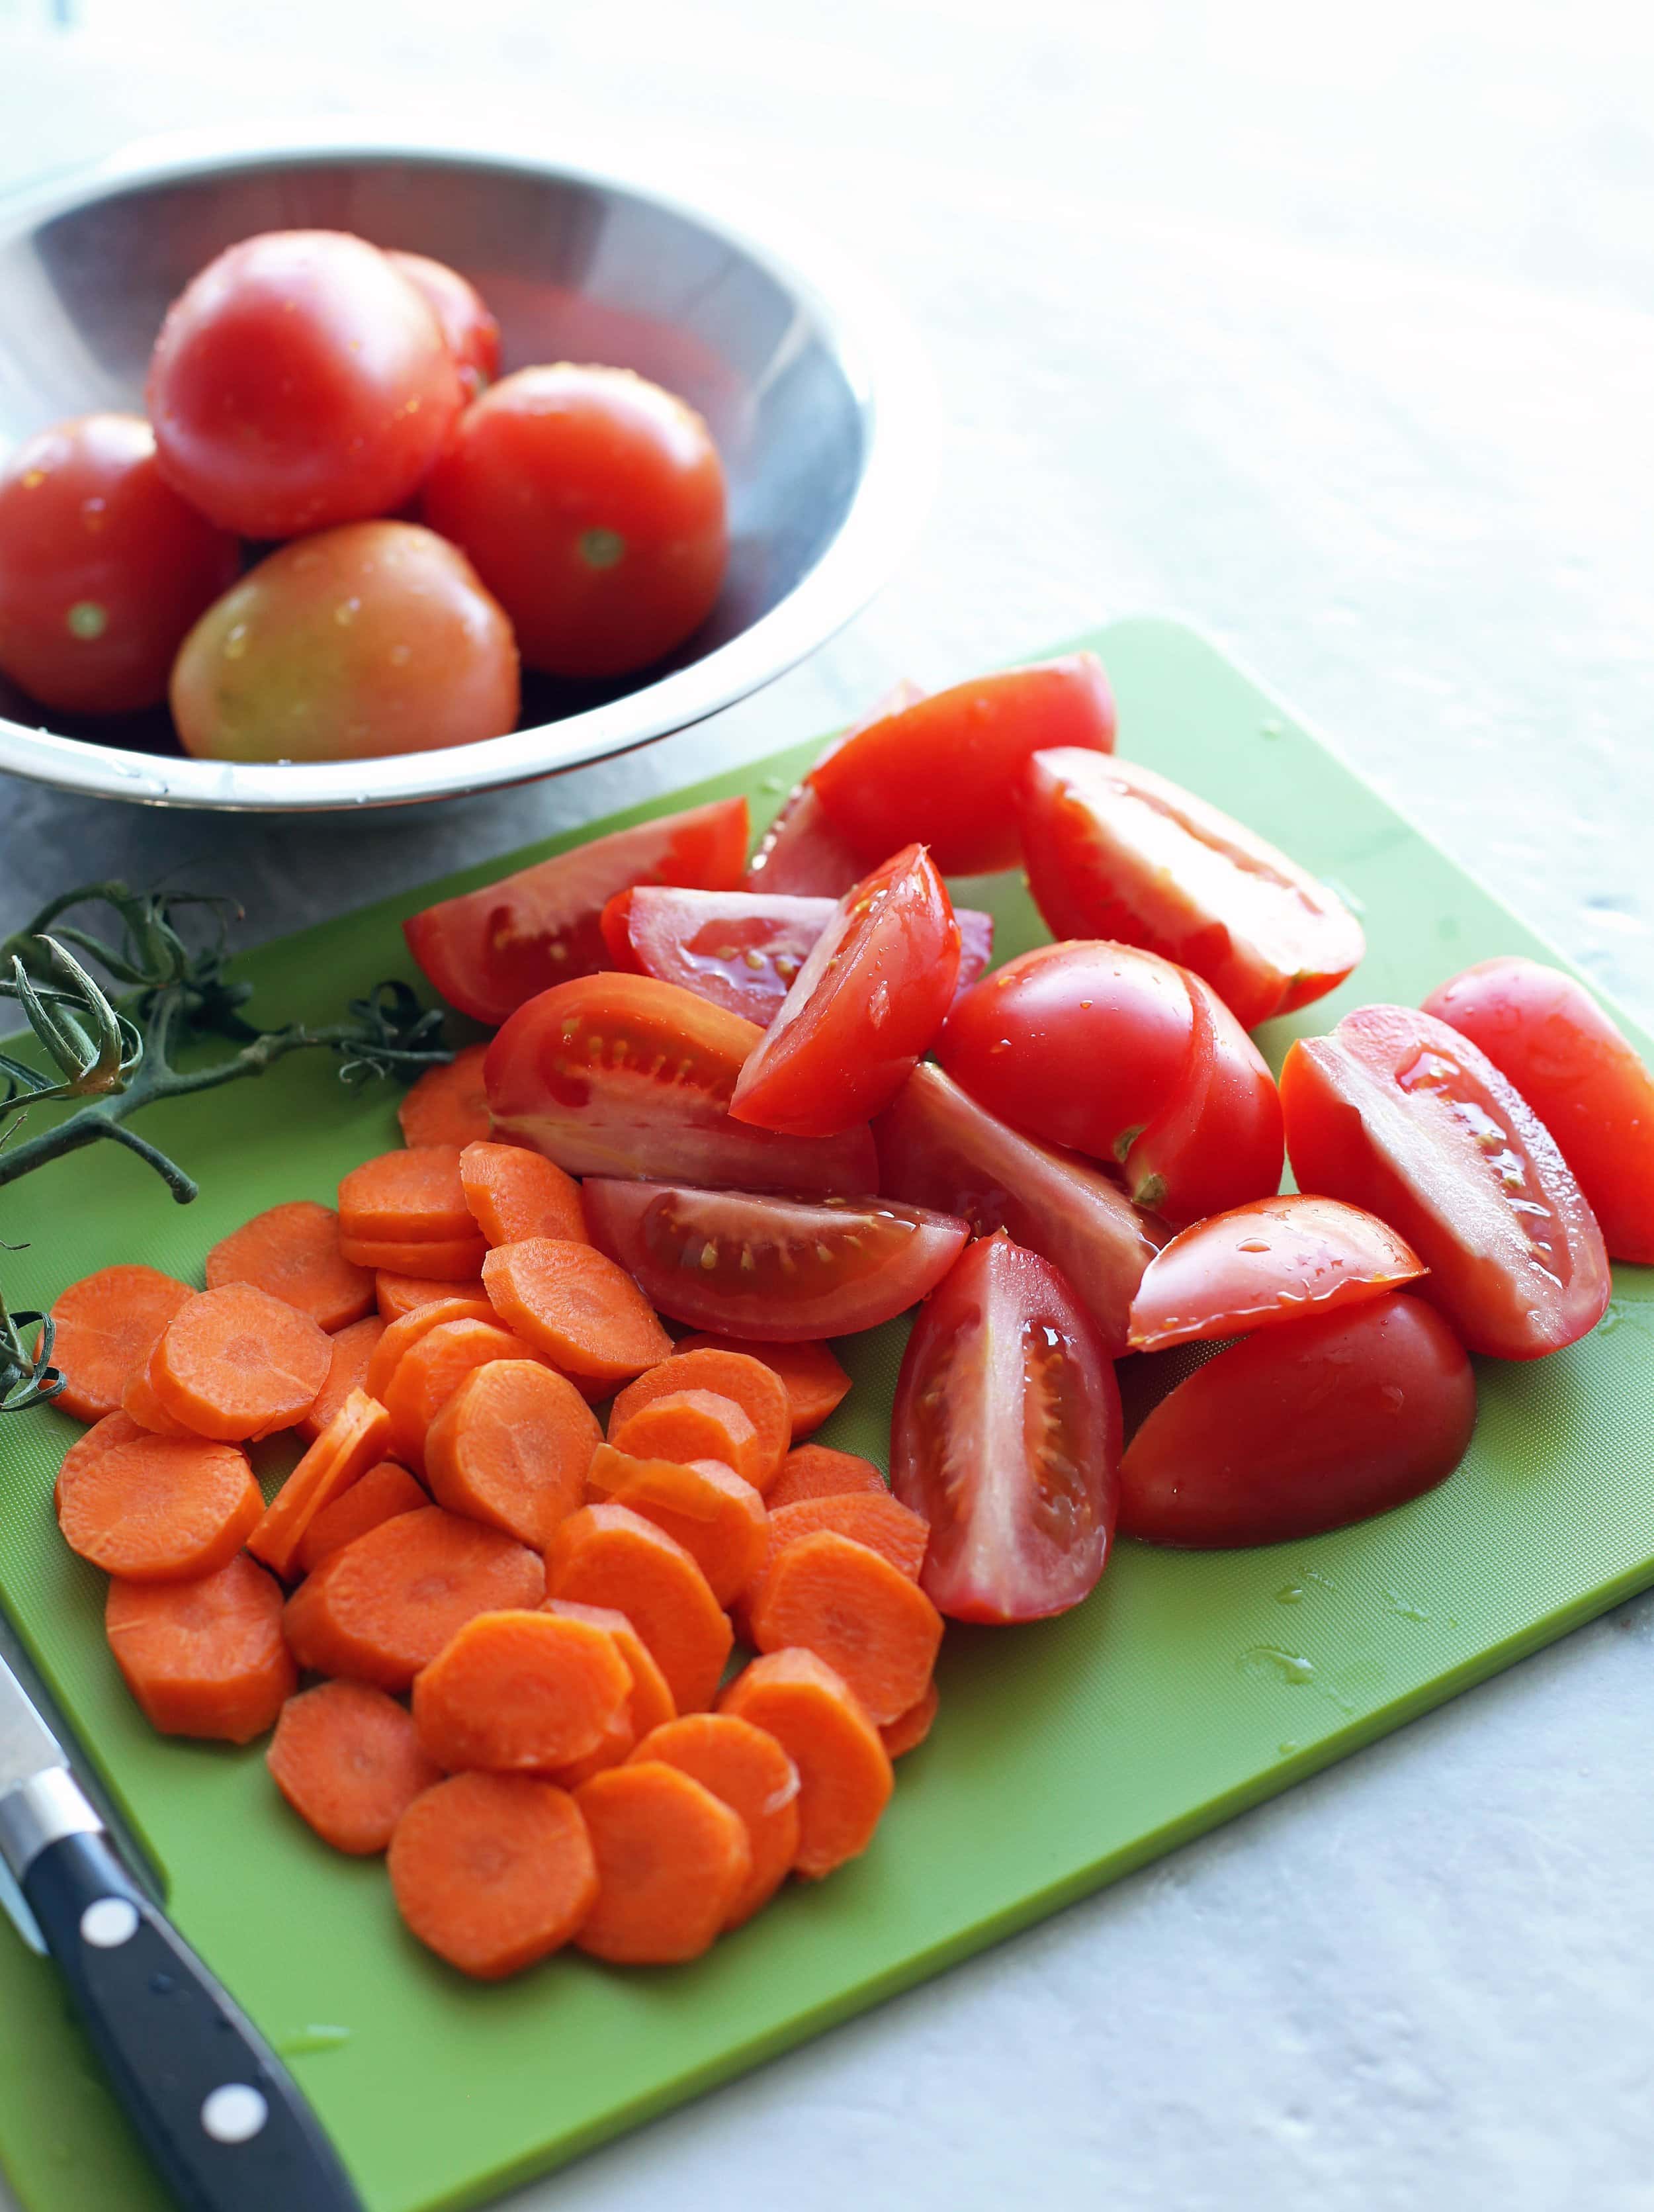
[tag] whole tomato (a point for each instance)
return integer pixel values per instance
(471, 333)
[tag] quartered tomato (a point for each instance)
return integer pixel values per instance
(1300, 1430)
(620, 1075)
(945, 773)
(938, 1147)
(775, 1270)
(1258, 1266)
(802, 852)
(1114, 850)
(489, 950)
(870, 998)
(1398, 1112)
(743, 950)
(1547, 1035)
(1006, 1435)
(1118, 1053)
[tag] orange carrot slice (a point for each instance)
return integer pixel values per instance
(106, 1326)
(521, 1691)
(493, 1871)
(347, 1760)
(447, 1260)
(352, 1352)
(648, 1705)
(293, 1252)
(575, 1307)
(514, 1193)
(672, 1860)
(749, 1769)
(411, 1197)
(203, 1658)
(402, 1334)
(397, 1295)
(909, 1729)
(844, 1771)
(384, 1606)
(353, 1441)
(815, 1383)
(689, 1424)
(381, 1494)
(236, 1363)
(717, 1517)
(609, 1555)
(759, 1393)
(448, 1105)
(139, 1402)
(161, 1509)
(511, 1447)
(818, 1471)
(430, 1371)
(119, 1428)
(849, 1605)
(880, 1521)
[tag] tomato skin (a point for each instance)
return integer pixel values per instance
(945, 772)
(1219, 1140)
(592, 504)
(1399, 1114)
(1006, 1435)
(103, 568)
(1296, 1431)
(801, 853)
(1546, 1036)
(375, 638)
(1114, 850)
(869, 999)
(624, 1076)
(1260, 1265)
(849, 1264)
(938, 1147)
(489, 951)
(300, 381)
(469, 331)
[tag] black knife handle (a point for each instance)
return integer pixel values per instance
(219, 2113)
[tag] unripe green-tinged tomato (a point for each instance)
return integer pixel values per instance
(103, 568)
(373, 638)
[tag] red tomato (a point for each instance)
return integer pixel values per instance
(1117, 1053)
(1546, 1036)
(743, 950)
(1006, 1435)
(1259, 1265)
(372, 639)
(1300, 1430)
(1114, 850)
(592, 504)
(620, 1075)
(775, 1270)
(103, 568)
(945, 773)
(489, 951)
(802, 852)
(1398, 1112)
(300, 381)
(469, 331)
(870, 998)
(937, 1148)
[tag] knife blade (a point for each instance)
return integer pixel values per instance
(221, 2116)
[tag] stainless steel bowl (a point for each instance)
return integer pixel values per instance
(806, 376)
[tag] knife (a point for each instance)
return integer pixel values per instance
(218, 2112)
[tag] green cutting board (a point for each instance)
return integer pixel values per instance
(1188, 1688)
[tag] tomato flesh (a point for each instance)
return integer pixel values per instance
(777, 1270)
(1546, 1036)
(1006, 1435)
(621, 1075)
(1399, 1114)
(869, 999)
(945, 772)
(1259, 1265)
(801, 853)
(1114, 850)
(470, 332)
(489, 951)
(938, 1147)
(1296, 1431)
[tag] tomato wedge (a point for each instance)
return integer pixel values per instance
(802, 852)
(1006, 1435)
(779, 1271)
(489, 950)
(1259, 1265)
(1398, 1112)
(870, 998)
(621, 1075)
(945, 772)
(938, 1147)
(1114, 850)
(1547, 1035)
(743, 950)
(1300, 1430)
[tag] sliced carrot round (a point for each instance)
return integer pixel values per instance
(522, 1691)
(511, 1447)
(403, 1334)
(441, 1259)
(909, 1729)
(103, 1436)
(448, 1105)
(689, 1424)
(203, 1658)
(106, 1329)
(353, 1441)
(493, 1871)
(397, 1295)
(845, 1779)
(718, 1518)
(608, 1555)
(672, 1859)
(575, 1307)
(139, 1402)
(754, 1386)
(514, 1193)
(848, 1604)
(411, 1197)
(648, 1705)
(818, 1471)
(237, 1364)
(293, 1252)
(347, 1760)
(162, 1509)
(350, 1353)
(815, 1383)
(749, 1769)
(876, 1519)
(383, 1492)
(430, 1371)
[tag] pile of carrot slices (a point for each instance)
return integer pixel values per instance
(565, 1618)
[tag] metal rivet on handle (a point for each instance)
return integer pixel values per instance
(235, 2113)
(109, 1922)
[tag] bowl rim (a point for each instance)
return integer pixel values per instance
(870, 336)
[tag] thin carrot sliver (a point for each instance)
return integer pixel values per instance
(753, 1775)
(236, 1363)
(845, 1779)
(442, 1259)
(397, 1295)
(447, 1105)
(351, 1351)
(203, 1658)
(430, 1371)
(672, 1859)
(575, 1307)
(909, 1729)
(293, 1252)
(402, 1334)
(410, 1197)
(754, 1386)
(521, 1691)
(382, 1493)
(648, 1705)
(818, 1471)
(493, 1871)
(106, 1327)
(514, 1193)
(608, 1555)
(348, 1759)
(353, 1441)
(829, 1595)
(511, 1446)
(717, 1517)
(117, 1428)
(815, 1383)
(162, 1509)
